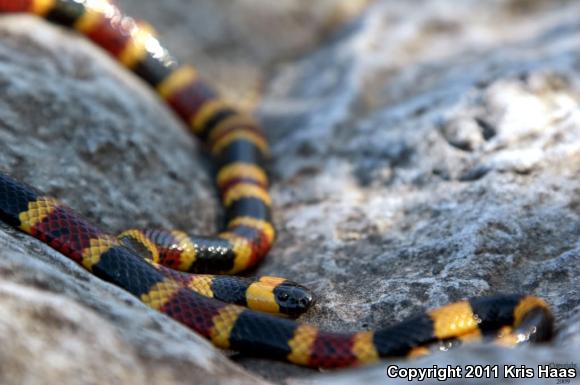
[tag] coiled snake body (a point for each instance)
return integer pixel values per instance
(145, 262)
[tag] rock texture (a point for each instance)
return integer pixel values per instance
(236, 43)
(427, 152)
(58, 324)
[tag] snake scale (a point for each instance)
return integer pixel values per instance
(171, 271)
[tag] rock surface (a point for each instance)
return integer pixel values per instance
(236, 43)
(429, 151)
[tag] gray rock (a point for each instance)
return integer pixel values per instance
(87, 121)
(428, 153)
(427, 157)
(237, 43)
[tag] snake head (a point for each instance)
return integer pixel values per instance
(292, 298)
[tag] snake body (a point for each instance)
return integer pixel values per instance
(145, 262)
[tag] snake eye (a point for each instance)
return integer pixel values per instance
(283, 296)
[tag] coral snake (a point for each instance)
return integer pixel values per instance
(169, 270)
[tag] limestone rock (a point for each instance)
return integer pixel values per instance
(84, 117)
(236, 43)
(430, 156)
